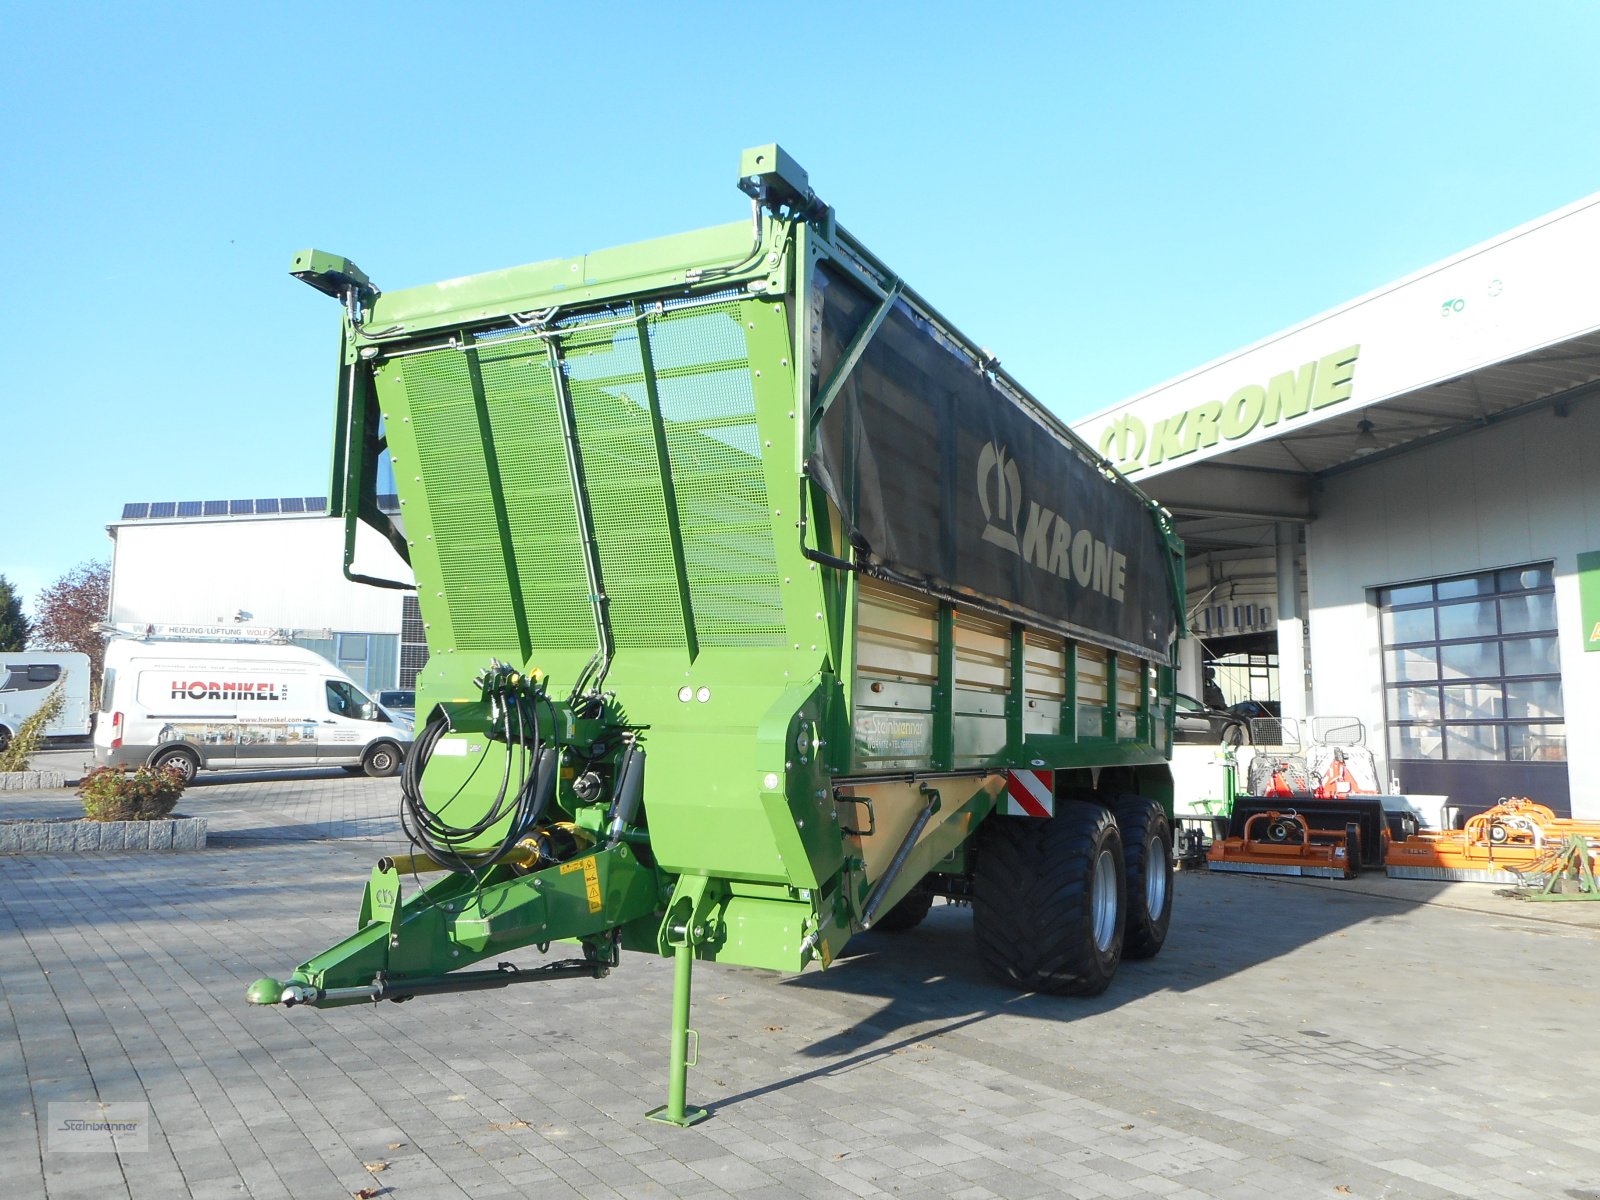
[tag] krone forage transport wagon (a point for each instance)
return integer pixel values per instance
(762, 608)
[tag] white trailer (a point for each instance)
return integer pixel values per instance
(27, 677)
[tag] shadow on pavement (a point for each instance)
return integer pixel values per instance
(1222, 925)
(339, 829)
(850, 1039)
(211, 779)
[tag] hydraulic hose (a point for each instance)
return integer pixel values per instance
(523, 803)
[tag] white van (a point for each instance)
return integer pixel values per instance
(238, 706)
(27, 677)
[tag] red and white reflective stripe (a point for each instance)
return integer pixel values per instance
(1030, 794)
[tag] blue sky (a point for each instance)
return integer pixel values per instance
(1106, 195)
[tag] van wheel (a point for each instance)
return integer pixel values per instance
(381, 761)
(187, 762)
(5, 738)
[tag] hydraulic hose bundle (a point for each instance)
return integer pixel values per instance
(526, 783)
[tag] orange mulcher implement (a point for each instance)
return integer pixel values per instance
(1284, 843)
(1505, 839)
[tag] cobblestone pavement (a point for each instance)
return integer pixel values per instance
(1295, 1039)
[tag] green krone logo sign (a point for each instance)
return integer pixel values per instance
(1321, 383)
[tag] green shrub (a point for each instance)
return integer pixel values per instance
(30, 734)
(130, 794)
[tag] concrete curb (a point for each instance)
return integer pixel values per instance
(82, 836)
(26, 781)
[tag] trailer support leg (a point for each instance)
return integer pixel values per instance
(674, 1112)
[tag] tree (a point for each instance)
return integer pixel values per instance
(70, 612)
(13, 624)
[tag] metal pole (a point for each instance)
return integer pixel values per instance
(674, 1112)
(869, 911)
(1291, 628)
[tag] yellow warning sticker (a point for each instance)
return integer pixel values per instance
(591, 879)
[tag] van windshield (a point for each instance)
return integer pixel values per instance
(344, 700)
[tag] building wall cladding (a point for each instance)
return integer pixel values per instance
(285, 572)
(1506, 496)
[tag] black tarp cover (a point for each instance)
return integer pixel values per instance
(951, 486)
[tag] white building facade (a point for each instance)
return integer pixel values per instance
(266, 565)
(1404, 491)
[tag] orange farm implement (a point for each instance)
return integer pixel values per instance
(1284, 842)
(1514, 839)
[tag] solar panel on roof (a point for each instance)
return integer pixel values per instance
(188, 508)
(268, 504)
(242, 508)
(135, 512)
(164, 508)
(316, 504)
(216, 508)
(294, 504)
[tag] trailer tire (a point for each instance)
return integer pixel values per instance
(908, 913)
(381, 760)
(5, 738)
(1048, 899)
(1147, 858)
(187, 762)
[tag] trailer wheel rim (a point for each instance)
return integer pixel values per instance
(1103, 901)
(1155, 877)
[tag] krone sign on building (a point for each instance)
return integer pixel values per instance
(1287, 396)
(1529, 288)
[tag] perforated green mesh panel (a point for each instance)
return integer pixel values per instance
(709, 413)
(627, 502)
(494, 467)
(506, 392)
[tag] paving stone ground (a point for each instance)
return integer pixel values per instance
(1295, 1039)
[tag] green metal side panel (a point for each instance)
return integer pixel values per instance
(708, 408)
(677, 409)
(690, 547)
(623, 474)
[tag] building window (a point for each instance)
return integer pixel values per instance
(413, 642)
(1470, 668)
(352, 650)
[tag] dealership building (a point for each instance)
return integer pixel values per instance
(1391, 511)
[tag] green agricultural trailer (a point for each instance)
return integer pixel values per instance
(762, 608)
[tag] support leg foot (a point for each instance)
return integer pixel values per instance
(674, 1111)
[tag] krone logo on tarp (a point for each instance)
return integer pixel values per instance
(1039, 537)
(1134, 446)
